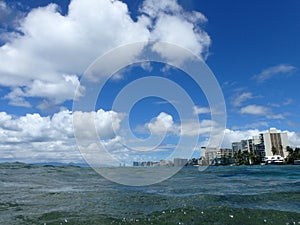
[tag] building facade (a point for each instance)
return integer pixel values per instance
(271, 143)
(243, 146)
(180, 162)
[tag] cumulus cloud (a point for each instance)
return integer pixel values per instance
(50, 51)
(282, 69)
(237, 135)
(36, 138)
(162, 124)
(33, 138)
(58, 91)
(101, 124)
(170, 23)
(294, 139)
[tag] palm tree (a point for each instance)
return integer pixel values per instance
(238, 157)
(274, 150)
(281, 151)
(252, 158)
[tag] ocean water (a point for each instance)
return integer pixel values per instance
(219, 195)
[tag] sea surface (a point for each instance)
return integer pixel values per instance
(31, 194)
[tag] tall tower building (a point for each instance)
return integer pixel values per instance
(275, 142)
(272, 143)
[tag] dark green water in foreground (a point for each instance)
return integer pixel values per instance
(219, 195)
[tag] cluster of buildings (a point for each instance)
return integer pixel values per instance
(268, 147)
(265, 147)
(176, 162)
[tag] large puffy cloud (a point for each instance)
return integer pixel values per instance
(55, 48)
(162, 124)
(33, 138)
(36, 138)
(170, 23)
(94, 125)
(294, 138)
(47, 52)
(51, 50)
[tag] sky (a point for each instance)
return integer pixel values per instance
(49, 51)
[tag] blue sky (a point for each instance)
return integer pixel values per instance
(252, 48)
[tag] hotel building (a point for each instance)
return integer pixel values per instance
(272, 143)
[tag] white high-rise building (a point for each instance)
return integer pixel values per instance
(272, 142)
(208, 155)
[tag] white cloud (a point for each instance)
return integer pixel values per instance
(260, 111)
(254, 125)
(104, 123)
(58, 91)
(242, 98)
(275, 116)
(55, 47)
(16, 98)
(170, 23)
(162, 124)
(254, 110)
(237, 135)
(201, 110)
(274, 71)
(153, 8)
(36, 138)
(190, 128)
(294, 139)
(46, 61)
(146, 66)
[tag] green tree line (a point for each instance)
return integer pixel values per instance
(294, 154)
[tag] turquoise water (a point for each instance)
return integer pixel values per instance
(219, 195)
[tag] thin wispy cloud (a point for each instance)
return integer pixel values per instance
(286, 102)
(254, 125)
(201, 110)
(241, 98)
(254, 110)
(266, 74)
(258, 110)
